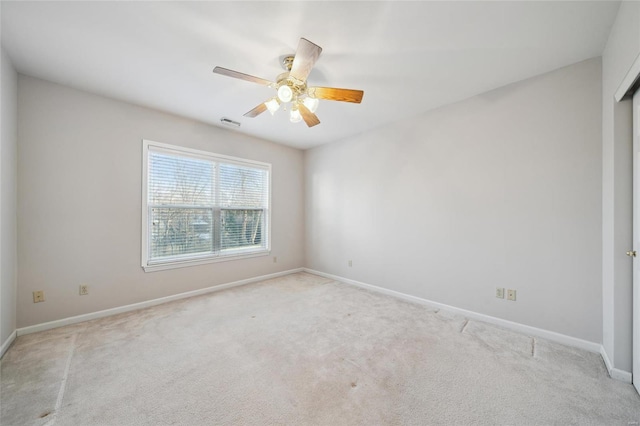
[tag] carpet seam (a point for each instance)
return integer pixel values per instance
(63, 384)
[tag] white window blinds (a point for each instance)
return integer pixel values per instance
(202, 207)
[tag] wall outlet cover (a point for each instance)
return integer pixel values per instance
(38, 296)
(500, 292)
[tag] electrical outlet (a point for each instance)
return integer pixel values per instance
(350, 263)
(500, 292)
(275, 259)
(38, 296)
(84, 289)
(511, 295)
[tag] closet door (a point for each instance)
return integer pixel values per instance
(636, 240)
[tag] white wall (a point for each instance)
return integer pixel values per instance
(79, 206)
(621, 50)
(8, 174)
(500, 190)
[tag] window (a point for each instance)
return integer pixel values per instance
(200, 207)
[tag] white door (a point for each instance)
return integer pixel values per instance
(636, 240)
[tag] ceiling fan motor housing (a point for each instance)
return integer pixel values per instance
(287, 62)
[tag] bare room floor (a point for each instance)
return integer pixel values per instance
(302, 349)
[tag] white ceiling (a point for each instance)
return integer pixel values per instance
(408, 57)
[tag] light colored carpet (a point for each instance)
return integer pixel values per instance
(302, 349)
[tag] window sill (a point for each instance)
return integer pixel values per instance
(202, 261)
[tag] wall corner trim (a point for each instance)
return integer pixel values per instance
(526, 329)
(8, 343)
(146, 304)
(623, 376)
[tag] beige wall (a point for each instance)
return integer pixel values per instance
(8, 187)
(500, 190)
(79, 204)
(622, 49)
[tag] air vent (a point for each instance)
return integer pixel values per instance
(229, 122)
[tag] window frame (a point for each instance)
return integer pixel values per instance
(185, 260)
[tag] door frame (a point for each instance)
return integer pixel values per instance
(628, 89)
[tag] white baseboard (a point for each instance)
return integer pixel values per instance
(8, 343)
(532, 331)
(615, 373)
(623, 376)
(121, 309)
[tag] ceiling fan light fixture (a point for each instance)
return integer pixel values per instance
(311, 103)
(291, 87)
(273, 105)
(285, 94)
(295, 116)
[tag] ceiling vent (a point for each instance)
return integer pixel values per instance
(229, 122)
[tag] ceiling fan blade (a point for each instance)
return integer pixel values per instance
(304, 59)
(334, 94)
(310, 118)
(241, 76)
(256, 111)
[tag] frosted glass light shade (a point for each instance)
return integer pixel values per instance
(311, 103)
(272, 105)
(295, 116)
(285, 93)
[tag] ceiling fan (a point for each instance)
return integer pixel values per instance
(292, 87)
